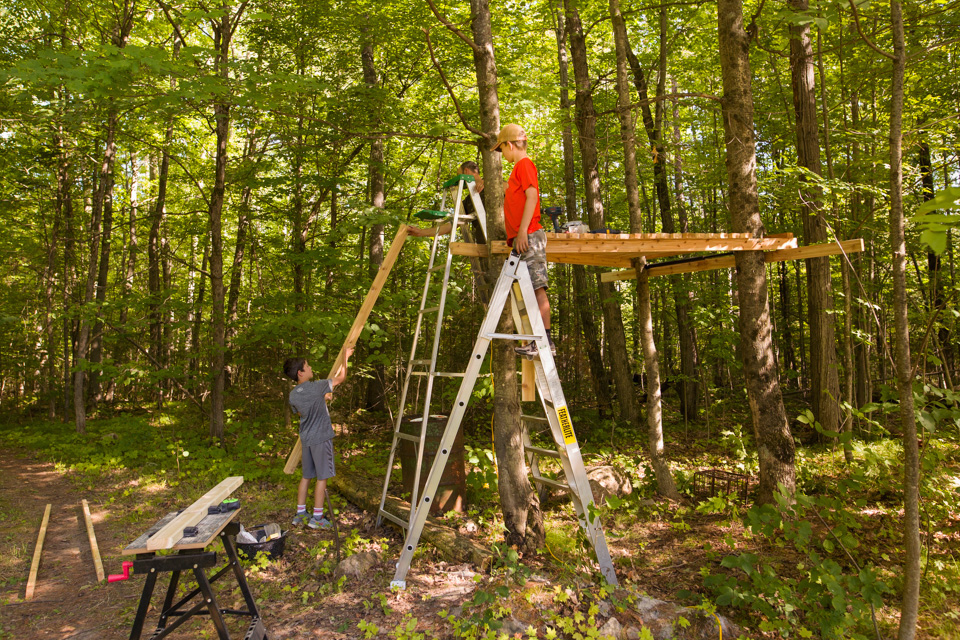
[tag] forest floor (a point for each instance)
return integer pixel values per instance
(661, 549)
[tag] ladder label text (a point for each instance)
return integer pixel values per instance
(566, 426)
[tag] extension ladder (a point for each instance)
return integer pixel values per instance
(426, 366)
(514, 284)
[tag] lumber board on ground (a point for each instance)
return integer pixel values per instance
(94, 547)
(725, 262)
(364, 492)
(35, 565)
(293, 460)
(189, 517)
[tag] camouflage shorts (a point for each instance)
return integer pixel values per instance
(536, 258)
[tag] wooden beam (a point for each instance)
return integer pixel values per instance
(94, 548)
(468, 249)
(528, 381)
(293, 460)
(658, 236)
(726, 262)
(605, 244)
(35, 565)
(189, 517)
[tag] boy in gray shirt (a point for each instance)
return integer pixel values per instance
(308, 399)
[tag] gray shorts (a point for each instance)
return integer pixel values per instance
(318, 460)
(536, 258)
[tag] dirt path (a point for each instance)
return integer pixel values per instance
(67, 601)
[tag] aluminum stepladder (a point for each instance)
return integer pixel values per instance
(427, 366)
(514, 284)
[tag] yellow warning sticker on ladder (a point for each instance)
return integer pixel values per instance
(566, 426)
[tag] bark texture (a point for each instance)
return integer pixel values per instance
(771, 430)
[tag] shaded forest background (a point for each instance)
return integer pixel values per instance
(191, 193)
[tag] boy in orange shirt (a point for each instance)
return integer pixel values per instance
(521, 212)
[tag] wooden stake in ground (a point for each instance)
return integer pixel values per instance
(173, 531)
(35, 565)
(358, 323)
(94, 548)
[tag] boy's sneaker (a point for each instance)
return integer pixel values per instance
(301, 519)
(531, 351)
(321, 523)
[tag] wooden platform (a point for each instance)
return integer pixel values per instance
(617, 250)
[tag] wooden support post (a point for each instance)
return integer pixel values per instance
(293, 460)
(35, 565)
(173, 531)
(94, 548)
(528, 381)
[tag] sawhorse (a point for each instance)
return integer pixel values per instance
(192, 557)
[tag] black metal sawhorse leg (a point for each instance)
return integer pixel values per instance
(197, 561)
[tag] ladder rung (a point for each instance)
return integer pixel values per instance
(430, 310)
(466, 217)
(549, 453)
(406, 436)
(447, 374)
(513, 336)
(439, 267)
(539, 419)
(551, 483)
(394, 519)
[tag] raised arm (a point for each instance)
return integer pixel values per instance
(341, 374)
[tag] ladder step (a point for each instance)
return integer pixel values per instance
(406, 436)
(539, 419)
(429, 310)
(466, 217)
(439, 267)
(551, 483)
(513, 336)
(400, 522)
(548, 453)
(437, 374)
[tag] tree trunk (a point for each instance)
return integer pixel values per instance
(911, 454)
(221, 112)
(687, 386)
(665, 484)
(130, 266)
(824, 381)
(376, 393)
(599, 378)
(586, 124)
(521, 506)
(103, 273)
(772, 432)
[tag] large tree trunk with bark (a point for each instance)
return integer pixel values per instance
(773, 438)
(586, 120)
(521, 506)
(824, 380)
(665, 484)
(688, 385)
(599, 378)
(376, 394)
(909, 610)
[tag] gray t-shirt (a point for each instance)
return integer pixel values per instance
(307, 399)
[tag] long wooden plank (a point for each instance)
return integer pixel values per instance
(726, 262)
(608, 245)
(35, 565)
(189, 517)
(658, 236)
(293, 460)
(210, 527)
(468, 249)
(94, 547)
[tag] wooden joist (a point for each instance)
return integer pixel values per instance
(468, 249)
(293, 460)
(726, 262)
(189, 517)
(94, 547)
(35, 565)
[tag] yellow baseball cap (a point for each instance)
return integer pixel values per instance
(510, 133)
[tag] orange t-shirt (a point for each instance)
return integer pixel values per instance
(523, 176)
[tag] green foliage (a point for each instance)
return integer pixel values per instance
(482, 476)
(934, 222)
(828, 591)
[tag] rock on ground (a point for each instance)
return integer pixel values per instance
(358, 565)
